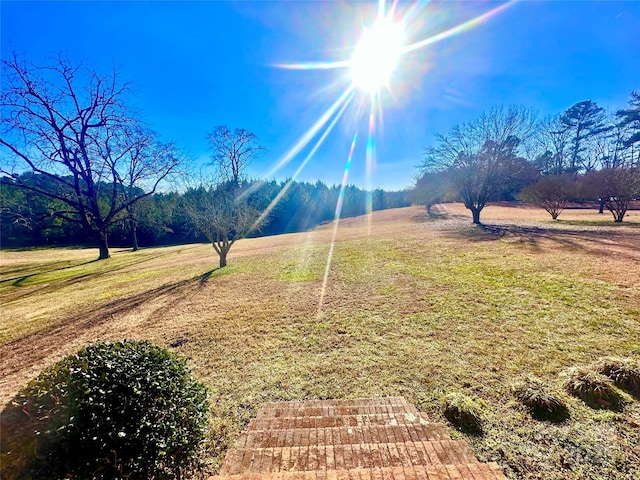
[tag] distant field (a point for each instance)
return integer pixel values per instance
(413, 305)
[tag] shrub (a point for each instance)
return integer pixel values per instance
(114, 410)
(624, 372)
(536, 396)
(464, 412)
(594, 389)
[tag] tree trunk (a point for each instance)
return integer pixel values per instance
(134, 237)
(104, 247)
(476, 215)
(223, 259)
(601, 210)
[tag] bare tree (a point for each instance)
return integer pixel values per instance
(70, 124)
(481, 157)
(222, 214)
(147, 162)
(552, 140)
(616, 188)
(552, 192)
(226, 212)
(233, 151)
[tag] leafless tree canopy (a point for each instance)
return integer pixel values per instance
(222, 214)
(70, 124)
(481, 156)
(232, 151)
(226, 210)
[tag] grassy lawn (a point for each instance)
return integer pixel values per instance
(412, 305)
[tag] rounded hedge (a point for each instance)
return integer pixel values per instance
(114, 410)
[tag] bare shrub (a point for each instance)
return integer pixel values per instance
(539, 398)
(594, 389)
(464, 412)
(624, 372)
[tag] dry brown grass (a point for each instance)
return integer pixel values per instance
(413, 306)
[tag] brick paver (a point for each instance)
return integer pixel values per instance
(343, 435)
(382, 438)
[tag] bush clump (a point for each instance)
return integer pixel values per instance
(540, 400)
(624, 372)
(114, 410)
(594, 389)
(464, 412)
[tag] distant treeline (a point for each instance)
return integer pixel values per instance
(27, 220)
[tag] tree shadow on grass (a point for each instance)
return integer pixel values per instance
(34, 347)
(436, 213)
(204, 278)
(62, 283)
(589, 240)
(18, 280)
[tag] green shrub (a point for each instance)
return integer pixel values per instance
(541, 402)
(624, 372)
(594, 389)
(114, 410)
(464, 412)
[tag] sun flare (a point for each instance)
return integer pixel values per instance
(376, 56)
(370, 69)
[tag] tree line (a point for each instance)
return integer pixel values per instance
(582, 154)
(78, 166)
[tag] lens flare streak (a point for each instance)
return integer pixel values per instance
(314, 65)
(385, 26)
(370, 162)
(336, 218)
(463, 27)
(312, 132)
(309, 156)
(413, 12)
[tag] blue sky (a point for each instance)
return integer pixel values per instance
(195, 65)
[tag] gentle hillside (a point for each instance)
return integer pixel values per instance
(412, 305)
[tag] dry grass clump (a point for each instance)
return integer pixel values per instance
(464, 412)
(625, 373)
(540, 399)
(594, 389)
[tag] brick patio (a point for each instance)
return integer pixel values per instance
(364, 439)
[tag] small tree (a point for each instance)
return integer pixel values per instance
(551, 193)
(233, 151)
(228, 211)
(223, 214)
(430, 189)
(616, 188)
(147, 160)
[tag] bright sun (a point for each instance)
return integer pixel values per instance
(376, 56)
